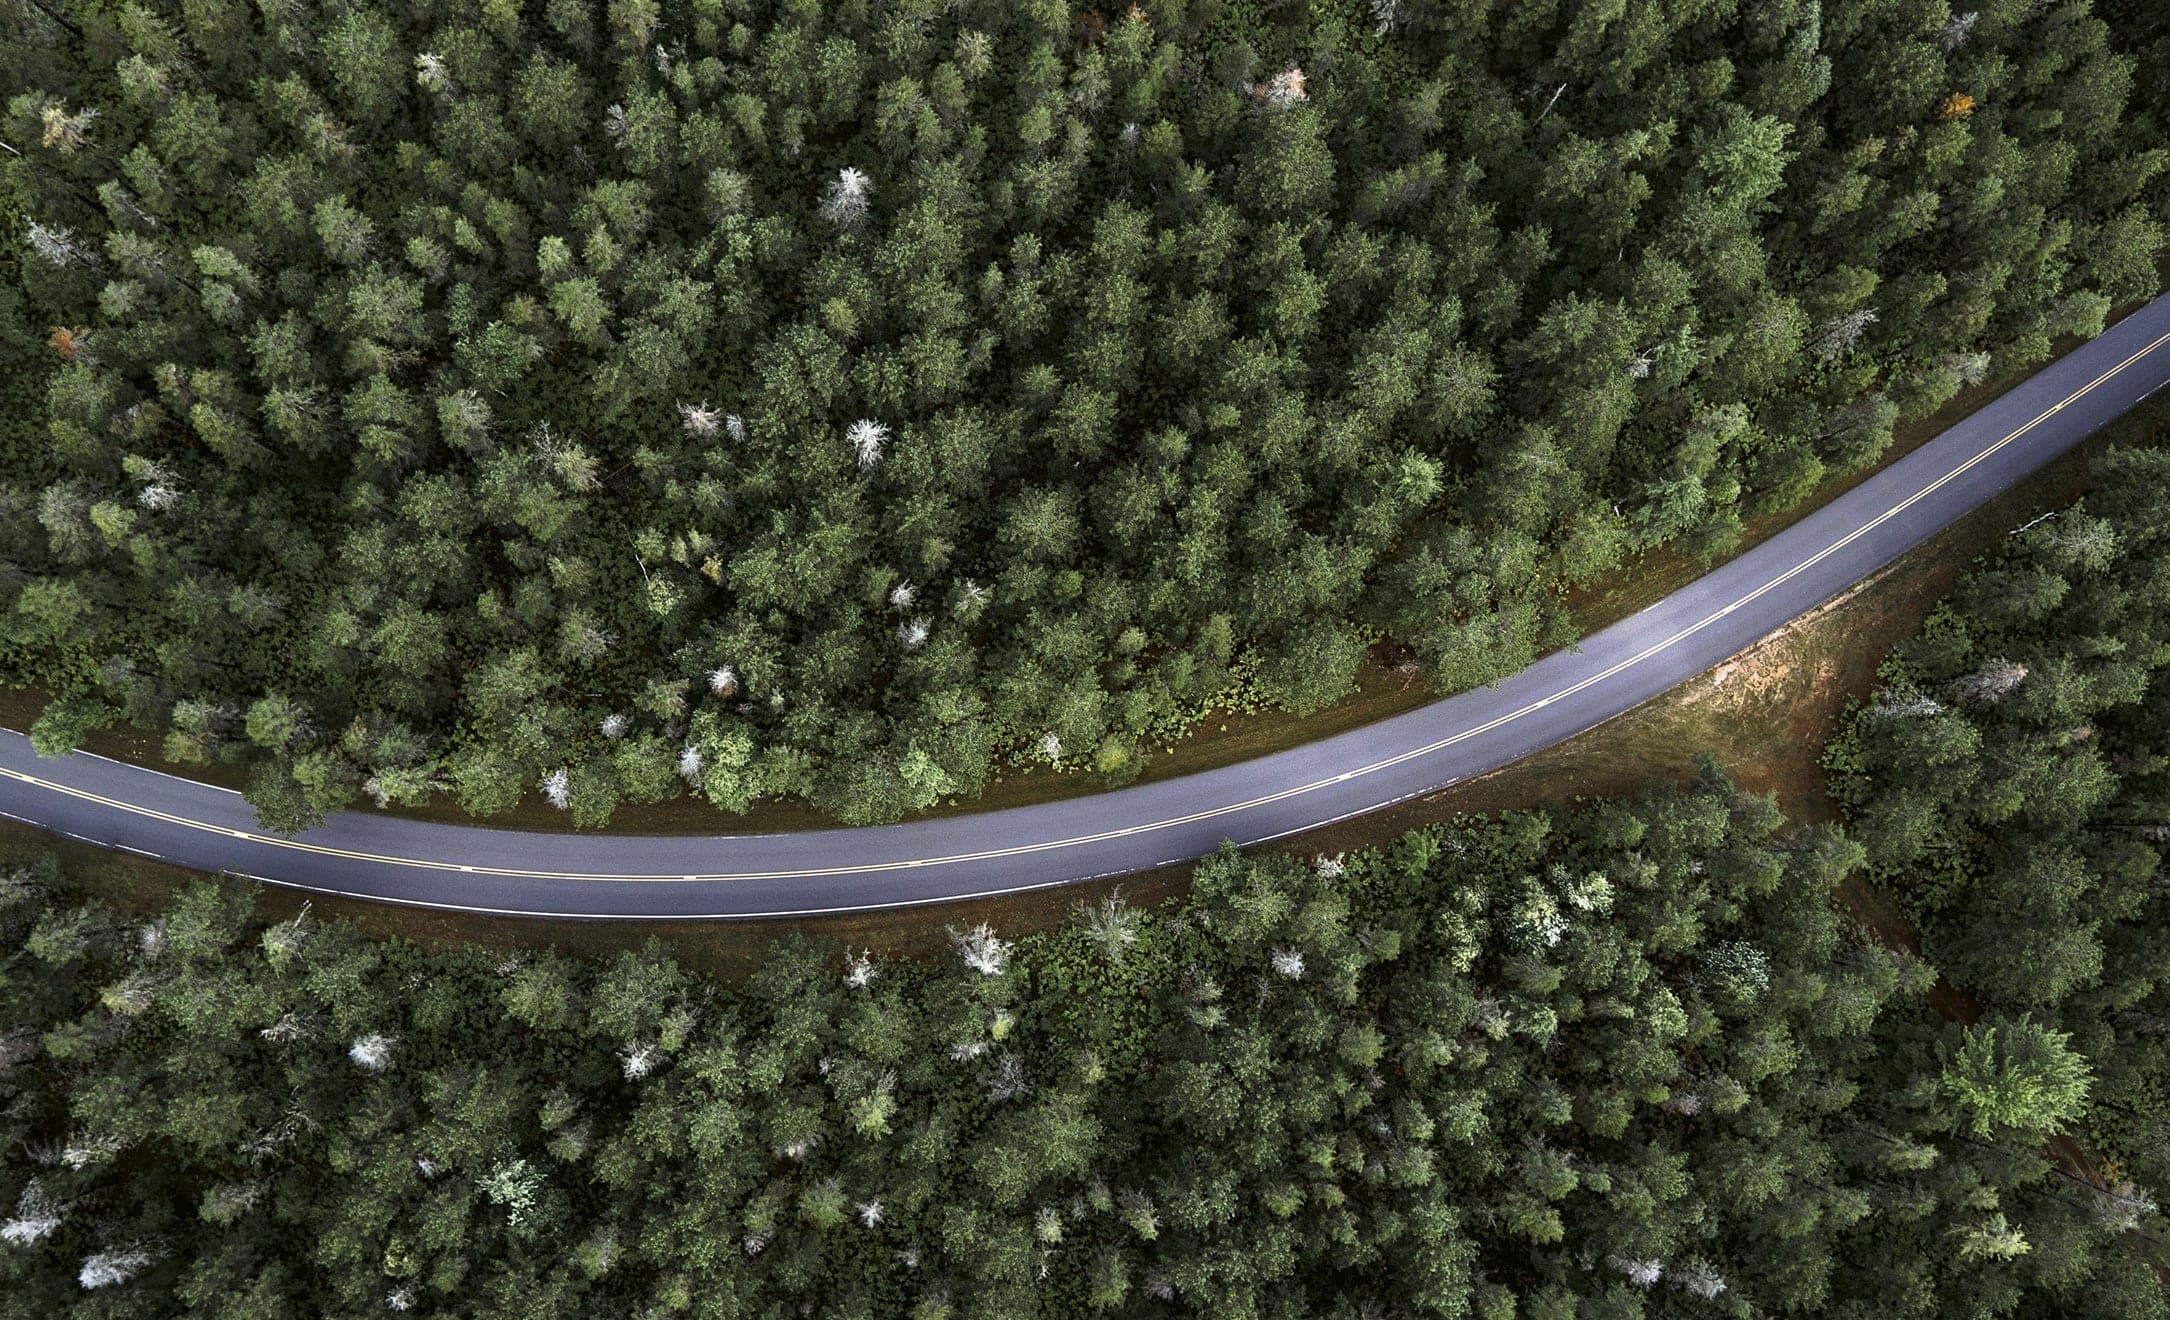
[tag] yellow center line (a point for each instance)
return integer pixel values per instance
(1208, 813)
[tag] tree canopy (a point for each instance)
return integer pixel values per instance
(752, 399)
(2008, 781)
(1624, 1061)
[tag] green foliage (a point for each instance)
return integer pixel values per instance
(957, 377)
(2008, 779)
(2015, 1074)
(61, 726)
(1627, 1060)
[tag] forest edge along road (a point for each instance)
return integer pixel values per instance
(479, 869)
(473, 868)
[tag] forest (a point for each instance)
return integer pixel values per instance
(1623, 1058)
(412, 399)
(1627, 1057)
(2010, 784)
(473, 400)
(1619, 1061)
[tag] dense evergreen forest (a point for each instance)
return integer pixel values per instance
(2011, 783)
(1620, 1062)
(841, 399)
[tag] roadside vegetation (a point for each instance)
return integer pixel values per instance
(1624, 1060)
(2010, 781)
(844, 402)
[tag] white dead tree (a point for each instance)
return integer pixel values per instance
(600, 1250)
(2120, 1208)
(700, 420)
(1902, 705)
(114, 1265)
(1992, 683)
(37, 1213)
(1840, 334)
(1700, 1278)
(56, 245)
(228, 1201)
(158, 486)
(87, 1149)
(848, 198)
(431, 74)
(860, 969)
(869, 440)
(1282, 90)
(982, 950)
(1113, 925)
(1007, 1080)
(1640, 1271)
(133, 993)
(373, 1052)
(1969, 368)
(640, 1059)
(1557, 93)
(972, 597)
(64, 132)
(290, 1029)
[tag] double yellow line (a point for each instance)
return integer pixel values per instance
(1210, 813)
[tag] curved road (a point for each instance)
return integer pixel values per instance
(476, 869)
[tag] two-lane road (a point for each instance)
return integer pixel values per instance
(476, 869)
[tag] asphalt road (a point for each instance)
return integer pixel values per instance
(476, 869)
